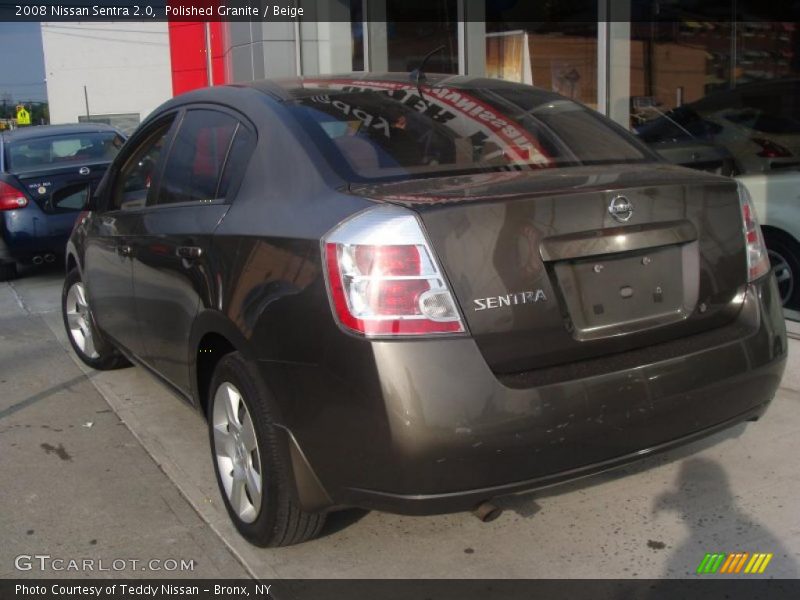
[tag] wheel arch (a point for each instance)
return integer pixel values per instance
(769, 229)
(72, 257)
(213, 336)
(785, 246)
(72, 262)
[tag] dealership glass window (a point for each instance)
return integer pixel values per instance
(723, 84)
(376, 35)
(331, 37)
(723, 96)
(357, 32)
(558, 53)
(407, 42)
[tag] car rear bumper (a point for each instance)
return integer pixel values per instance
(423, 427)
(26, 233)
(462, 500)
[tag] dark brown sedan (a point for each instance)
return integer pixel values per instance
(417, 298)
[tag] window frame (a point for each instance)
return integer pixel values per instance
(241, 121)
(131, 148)
(177, 115)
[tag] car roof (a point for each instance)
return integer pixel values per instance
(43, 131)
(291, 89)
(236, 95)
(304, 87)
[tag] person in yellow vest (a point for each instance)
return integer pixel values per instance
(23, 116)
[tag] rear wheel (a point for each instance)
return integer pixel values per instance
(253, 474)
(784, 256)
(85, 339)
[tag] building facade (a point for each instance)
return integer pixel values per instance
(111, 72)
(630, 70)
(719, 92)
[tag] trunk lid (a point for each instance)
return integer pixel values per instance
(545, 274)
(69, 184)
(42, 184)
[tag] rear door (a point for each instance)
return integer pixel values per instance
(109, 254)
(173, 272)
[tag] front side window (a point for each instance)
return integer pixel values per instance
(63, 150)
(137, 175)
(193, 169)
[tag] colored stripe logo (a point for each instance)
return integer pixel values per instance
(734, 563)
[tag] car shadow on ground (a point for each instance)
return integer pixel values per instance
(701, 496)
(703, 499)
(341, 520)
(27, 271)
(525, 504)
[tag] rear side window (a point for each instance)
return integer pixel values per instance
(239, 155)
(194, 167)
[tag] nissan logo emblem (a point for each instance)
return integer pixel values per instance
(620, 208)
(84, 170)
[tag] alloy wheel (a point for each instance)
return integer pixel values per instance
(79, 320)
(236, 451)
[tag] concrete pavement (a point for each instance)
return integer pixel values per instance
(75, 483)
(736, 491)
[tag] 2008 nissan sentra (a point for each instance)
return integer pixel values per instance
(418, 296)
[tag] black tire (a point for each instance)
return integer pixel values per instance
(277, 520)
(784, 255)
(105, 356)
(8, 271)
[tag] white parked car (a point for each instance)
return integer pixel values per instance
(776, 197)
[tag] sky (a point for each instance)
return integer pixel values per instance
(22, 68)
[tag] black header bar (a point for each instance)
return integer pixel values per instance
(511, 12)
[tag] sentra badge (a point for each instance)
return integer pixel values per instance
(526, 297)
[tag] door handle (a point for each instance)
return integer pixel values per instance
(190, 252)
(125, 250)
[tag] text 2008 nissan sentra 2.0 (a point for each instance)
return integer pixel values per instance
(415, 298)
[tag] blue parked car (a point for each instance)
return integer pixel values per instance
(46, 173)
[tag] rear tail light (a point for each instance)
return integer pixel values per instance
(11, 198)
(383, 277)
(757, 257)
(770, 149)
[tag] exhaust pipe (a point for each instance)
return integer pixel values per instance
(487, 512)
(49, 258)
(37, 260)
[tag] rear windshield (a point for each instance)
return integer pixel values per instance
(62, 150)
(396, 133)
